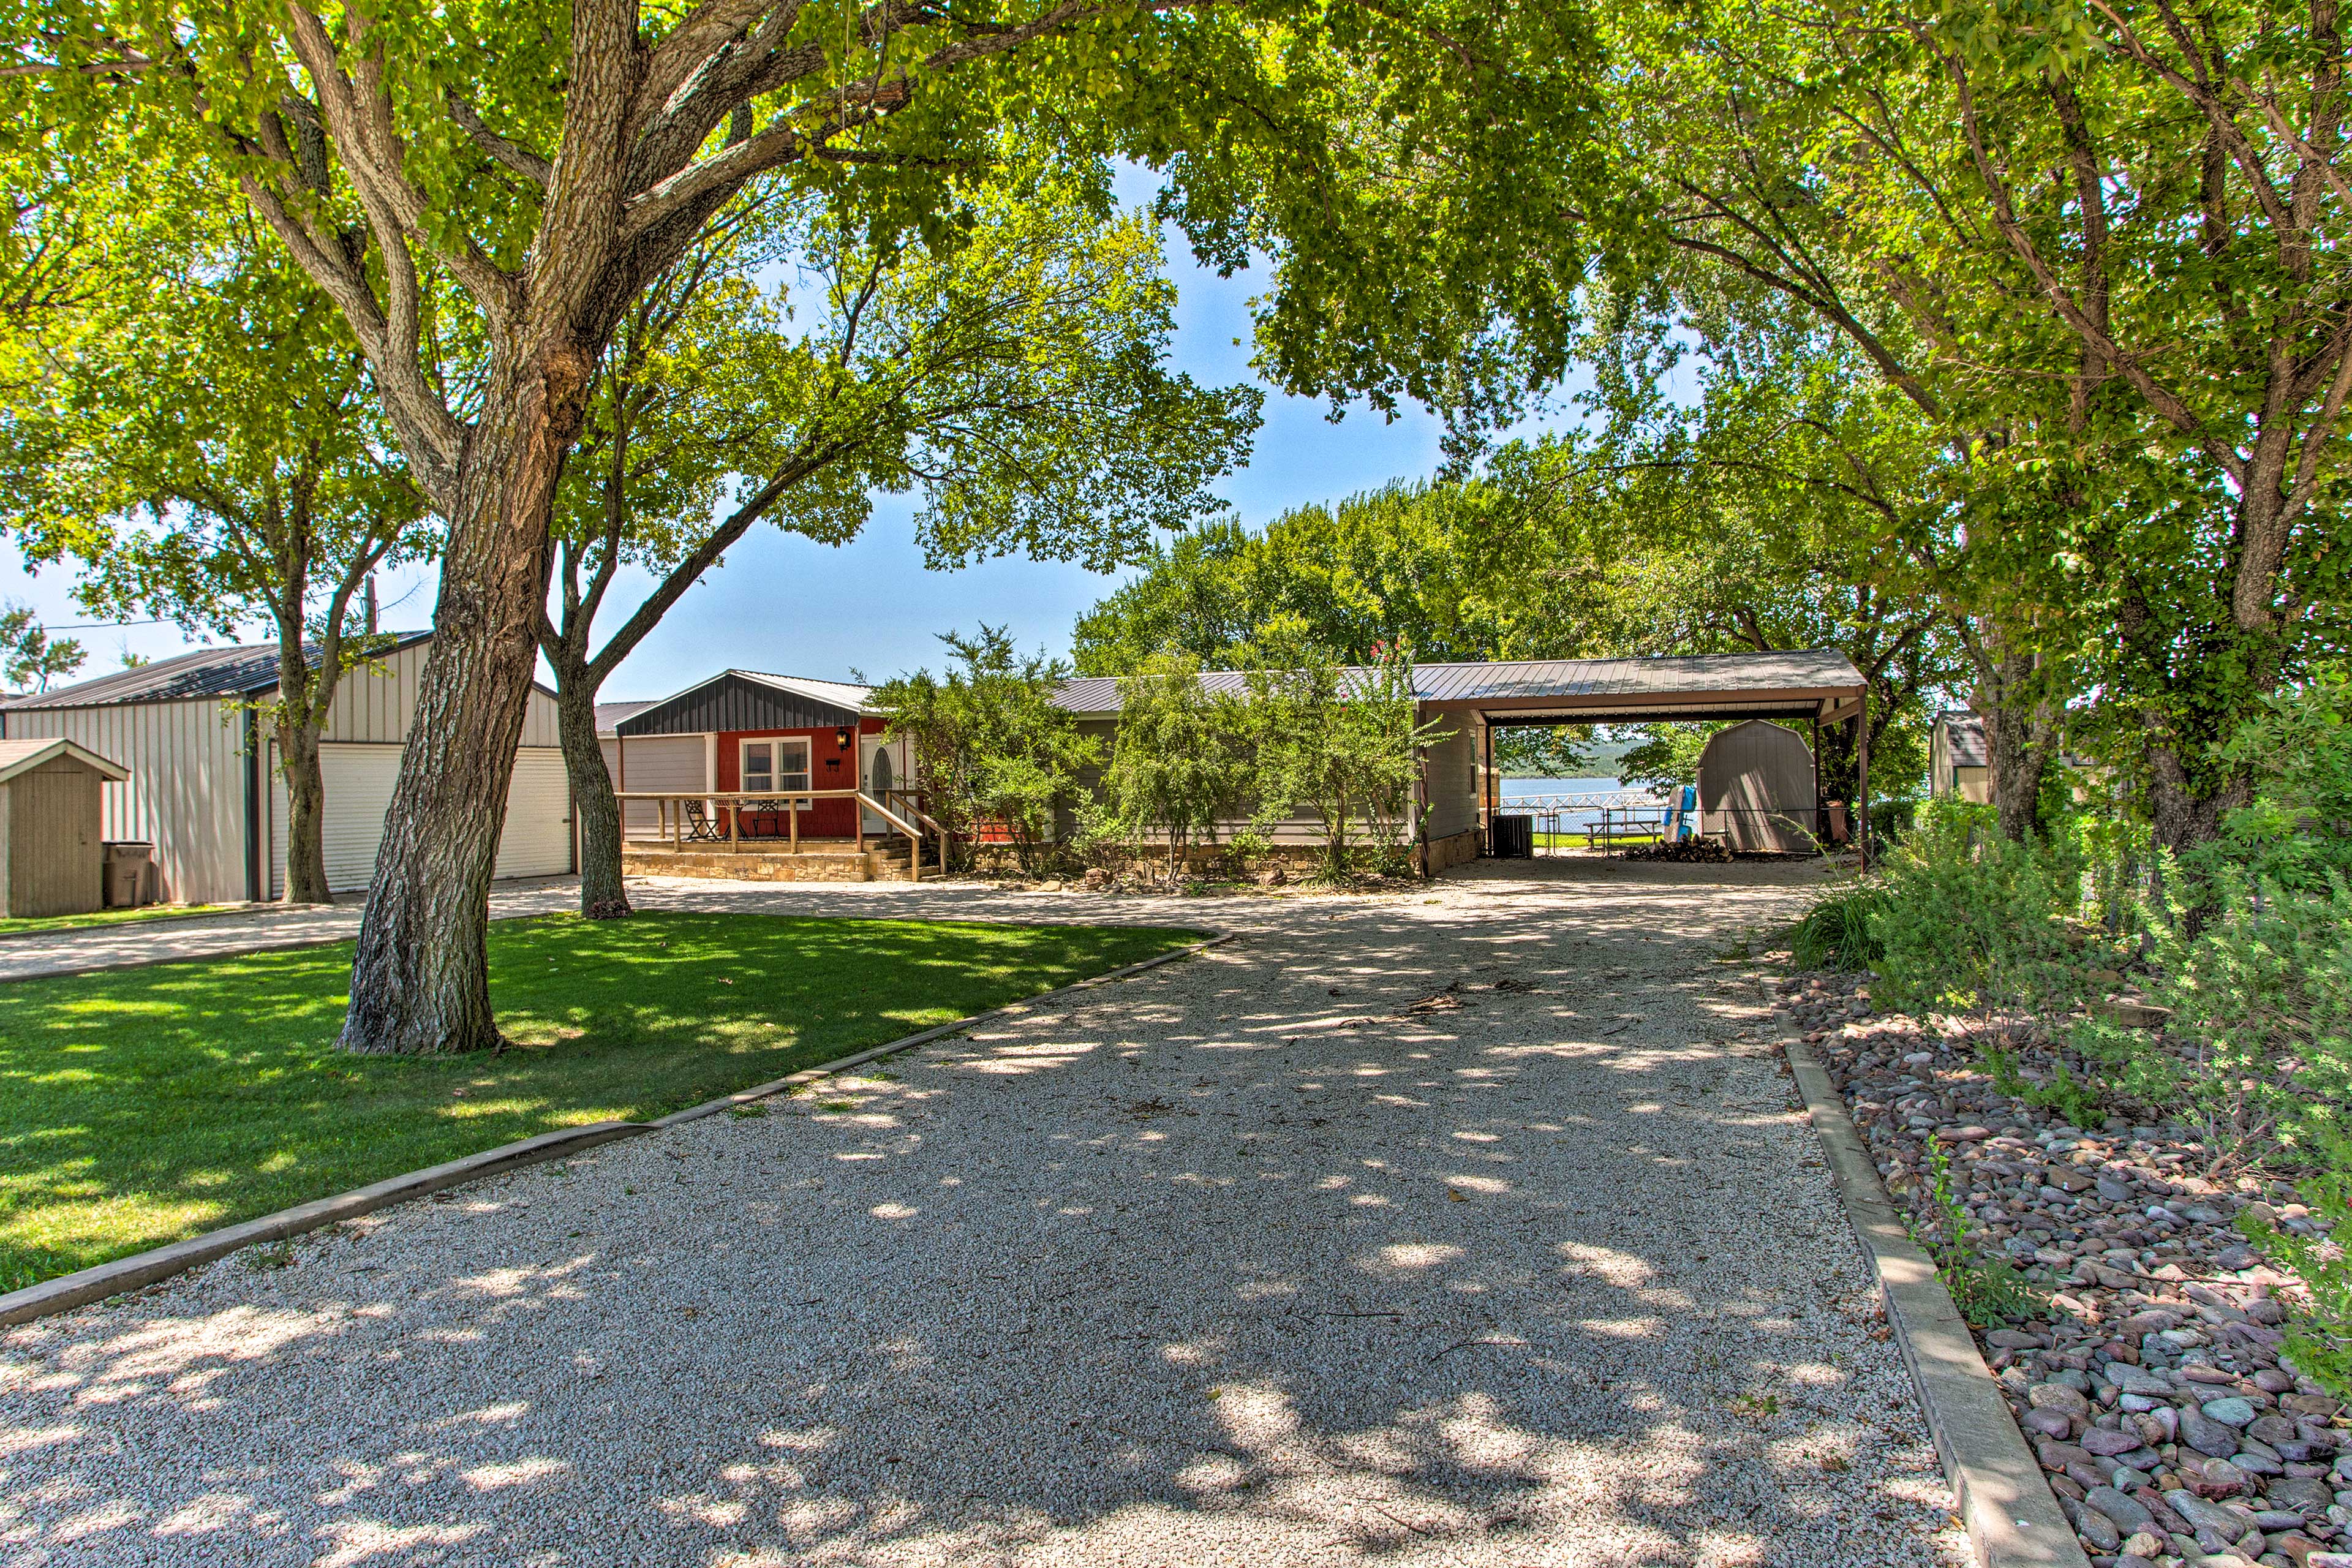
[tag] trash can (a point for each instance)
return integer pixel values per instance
(1514, 838)
(129, 874)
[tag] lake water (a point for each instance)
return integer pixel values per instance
(1569, 821)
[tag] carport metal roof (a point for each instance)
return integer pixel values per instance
(1804, 683)
(1817, 683)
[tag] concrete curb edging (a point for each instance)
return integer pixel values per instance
(101, 1280)
(2013, 1517)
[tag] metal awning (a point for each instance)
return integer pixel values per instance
(1790, 683)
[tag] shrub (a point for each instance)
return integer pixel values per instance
(1343, 744)
(1181, 764)
(1987, 1292)
(2319, 1334)
(997, 756)
(2259, 1044)
(1839, 932)
(1972, 920)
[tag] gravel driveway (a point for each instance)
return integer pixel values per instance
(1458, 1228)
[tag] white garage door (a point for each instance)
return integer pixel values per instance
(538, 837)
(537, 841)
(655, 763)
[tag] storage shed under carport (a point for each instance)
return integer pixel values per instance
(204, 785)
(1757, 789)
(52, 851)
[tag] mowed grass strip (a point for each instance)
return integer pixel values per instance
(140, 1106)
(36, 925)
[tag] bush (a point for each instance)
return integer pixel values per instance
(1972, 920)
(997, 758)
(2319, 1335)
(1839, 932)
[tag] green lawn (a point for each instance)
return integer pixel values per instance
(140, 1106)
(28, 925)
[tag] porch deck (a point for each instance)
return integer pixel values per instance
(733, 835)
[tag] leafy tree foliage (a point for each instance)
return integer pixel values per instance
(202, 447)
(1340, 741)
(29, 656)
(1012, 378)
(998, 760)
(1184, 760)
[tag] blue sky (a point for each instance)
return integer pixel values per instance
(780, 603)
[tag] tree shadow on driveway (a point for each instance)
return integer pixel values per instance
(1328, 1247)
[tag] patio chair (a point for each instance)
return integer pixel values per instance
(698, 824)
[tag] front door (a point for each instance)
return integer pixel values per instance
(878, 768)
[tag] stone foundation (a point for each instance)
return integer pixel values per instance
(1444, 854)
(765, 865)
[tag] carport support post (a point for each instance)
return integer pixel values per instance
(1862, 776)
(1487, 787)
(1820, 813)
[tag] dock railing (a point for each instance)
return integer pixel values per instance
(671, 815)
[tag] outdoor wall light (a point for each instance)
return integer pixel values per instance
(841, 737)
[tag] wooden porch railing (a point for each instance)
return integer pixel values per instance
(909, 818)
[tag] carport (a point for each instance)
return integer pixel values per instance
(1819, 686)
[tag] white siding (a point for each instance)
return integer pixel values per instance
(375, 702)
(655, 762)
(1452, 777)
(535, 842)
(187, 791)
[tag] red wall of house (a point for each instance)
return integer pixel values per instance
(823, 818)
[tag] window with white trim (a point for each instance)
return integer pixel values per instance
(777, 765)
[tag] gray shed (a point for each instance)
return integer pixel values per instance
(51, 808)
(1757, 789)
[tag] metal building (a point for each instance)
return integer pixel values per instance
(203, 786)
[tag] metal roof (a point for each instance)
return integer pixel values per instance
(22, 756)
(238, 669)
(610, 713)
(1964, 738)
(749, 699)
(1820, 670)
(1773, 680)
(840, 693)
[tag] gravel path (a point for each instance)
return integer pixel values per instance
(1465, 1229)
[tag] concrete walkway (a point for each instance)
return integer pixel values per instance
(1467, 1228)
(248, 929)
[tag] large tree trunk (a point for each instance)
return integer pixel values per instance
(306, 814)
(420, 981)
(2018, 743)
(602, 894)
(2019, 738)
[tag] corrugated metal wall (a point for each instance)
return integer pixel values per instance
(187, 791)
(1453, 775)
(188, 786)
(376, 701)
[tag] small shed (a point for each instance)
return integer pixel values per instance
(52, 807)
(1957, 763)
(1757, 789)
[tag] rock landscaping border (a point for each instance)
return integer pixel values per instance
(2148, 1375)
(101, 1280)
(2013, 1519)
